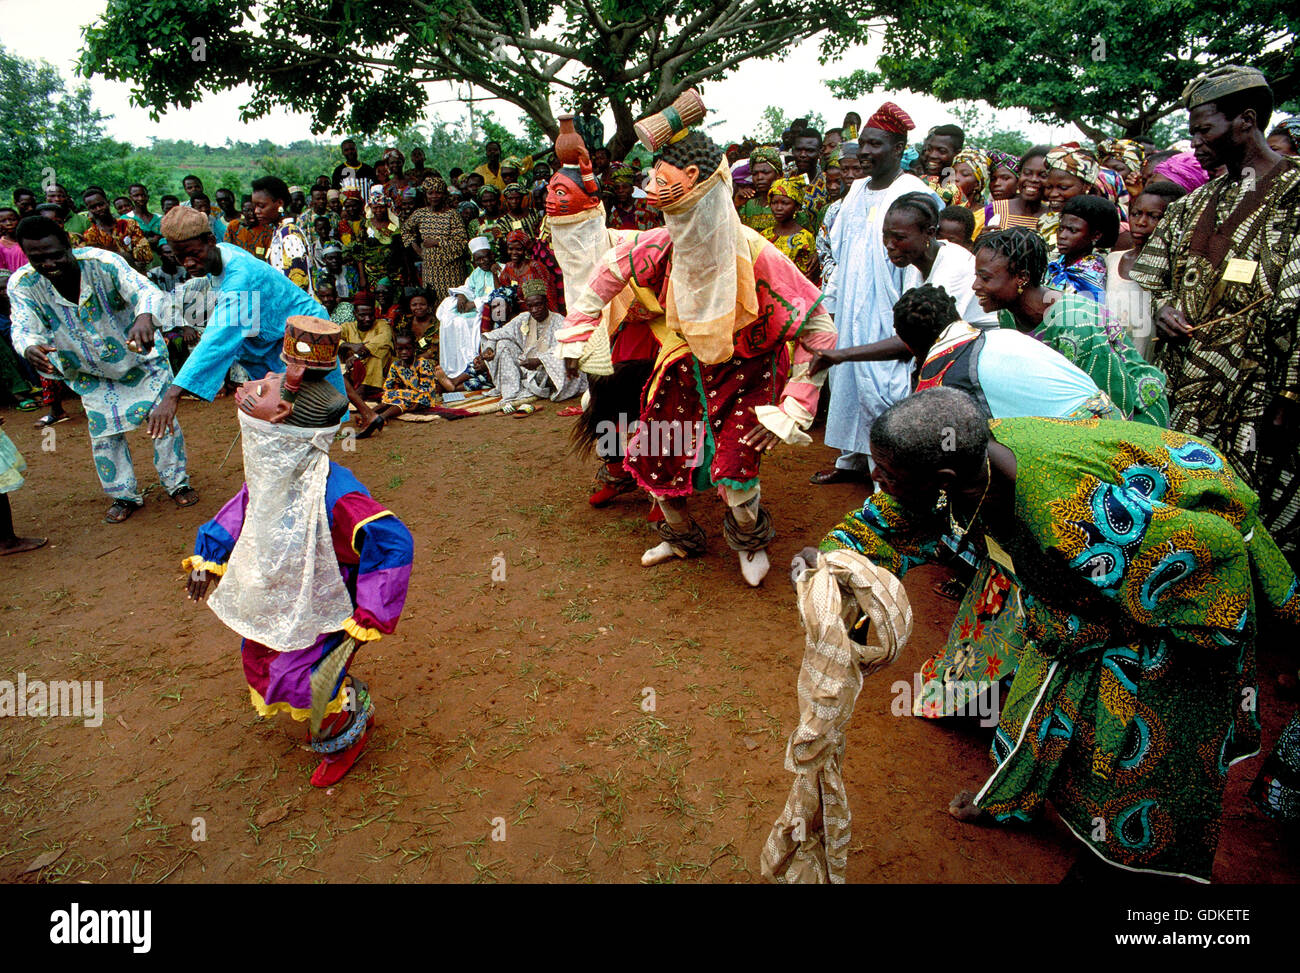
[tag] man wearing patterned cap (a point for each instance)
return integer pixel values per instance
(626, 211)
(862, 293)
(246, 306)
(311, 567)
(1223, 267)
(525, 360)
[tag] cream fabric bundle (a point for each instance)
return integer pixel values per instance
(844, 586)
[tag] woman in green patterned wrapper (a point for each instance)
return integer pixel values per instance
(1144, 572)
(1009, 269)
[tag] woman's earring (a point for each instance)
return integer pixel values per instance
(942, 503)
(1020, 290)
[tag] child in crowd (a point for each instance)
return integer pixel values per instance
(786, 199)
(1089, 226)
(957, 225)
(1126, 301)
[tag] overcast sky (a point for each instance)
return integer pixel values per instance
(51, 31)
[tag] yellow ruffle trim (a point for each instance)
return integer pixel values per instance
(196, 563)
(360, 633)
(335, 705)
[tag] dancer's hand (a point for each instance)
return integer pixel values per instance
(37, 355)
(160, 419)
(760, 437)
(196, 588)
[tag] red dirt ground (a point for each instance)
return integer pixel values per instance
(518, 701)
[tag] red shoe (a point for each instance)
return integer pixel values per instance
(333, 768)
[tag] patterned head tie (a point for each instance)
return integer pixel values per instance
(517, 236)
(979, 165)
(1126, 150)
(515, 189)
(1006, 160)
(765, 153)
(1073, 159)
(790, 188)
(433, 185)
(621, 174)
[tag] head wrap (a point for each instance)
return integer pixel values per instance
(512, 162)
(890, 118)
(1182, 170)
(1292, 128)
(294, 189)
(331, 194)
(517, 236)
(1128, 151)
(480, 243)
(1221, 82)
(979, 165)
(184, 223)
(1111, 185)
(740, 174)
(376, 194)
(793, 188)
(534, 288)
(620, 172)
(764, 153)
(1004, 159)
(1073, 159)
(515, 187)
(488, 191)
(433, 185)
(332, 248)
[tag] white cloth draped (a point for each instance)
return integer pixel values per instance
(282, 585)
(866, 285)
(458, 336)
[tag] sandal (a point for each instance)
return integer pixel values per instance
(44, 421)
(121, 510)
(28, 405)
(375, 425)
(572, 410)
(527, 409)
(953, 589)
(185, 497)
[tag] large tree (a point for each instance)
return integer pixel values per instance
(354, 64)
(1106, 66)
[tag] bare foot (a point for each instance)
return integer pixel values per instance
(963, 808)
(20, 545)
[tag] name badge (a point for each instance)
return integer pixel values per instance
(999, 555)
(1239, 271)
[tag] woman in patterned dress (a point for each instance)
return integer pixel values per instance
(437, 234)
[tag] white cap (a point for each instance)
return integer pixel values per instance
(480, 243)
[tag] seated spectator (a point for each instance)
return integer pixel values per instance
(367, 342)
(526, 360)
